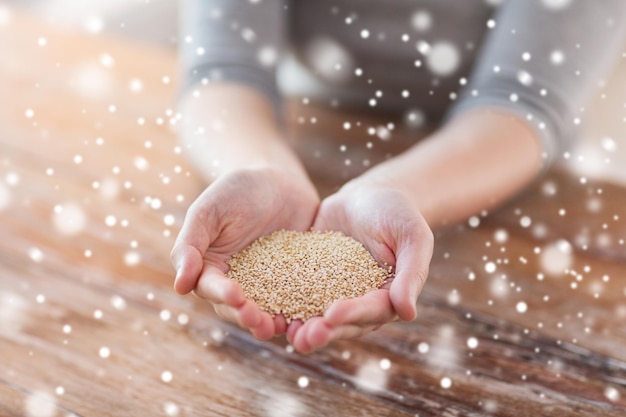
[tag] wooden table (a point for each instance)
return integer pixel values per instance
(93, 190)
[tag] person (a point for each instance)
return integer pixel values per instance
(506, 82)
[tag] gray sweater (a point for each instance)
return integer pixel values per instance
(429, 59)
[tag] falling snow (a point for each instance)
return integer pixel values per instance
(135, 85)
(12, 312)
(446, 348)
(104, 352)
(443, 58)
(421, 20)
(165, 315)
(166, 376)
(557, 257)
(330, 59)
(110, 220)
(473, 221)
(107, 60)
(370, 376)
(183, 319)
(92, 81)
(609, 144)
(5, 15)
(557, 57)
(5, 197)
(303, 382)
(284, 404)
(267, 56)
(501, 236)
(118, 302)
(69, 219)
(132, 258)
(40, 404)
(472, 343)
(171, 409)
(35, 254)
(93, 24)
(556, 4)
(612, 394)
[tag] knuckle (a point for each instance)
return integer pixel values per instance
(174, 255)
(224, 312)
(429, 237)
(422, 277)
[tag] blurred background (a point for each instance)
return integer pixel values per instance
(601, 152)
(154, 21)
(93, 187)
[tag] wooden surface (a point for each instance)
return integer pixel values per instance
(90, 326)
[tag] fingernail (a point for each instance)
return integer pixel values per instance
(178, 273)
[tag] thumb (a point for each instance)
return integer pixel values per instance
(412, 261)
(187, 259)
(193, 241)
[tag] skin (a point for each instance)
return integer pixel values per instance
(473, 163)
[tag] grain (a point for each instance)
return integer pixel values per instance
(300, 274)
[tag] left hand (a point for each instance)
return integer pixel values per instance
(394, 232)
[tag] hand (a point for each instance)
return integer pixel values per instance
(395, 233)
(230, 214)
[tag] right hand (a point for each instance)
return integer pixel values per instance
(229, 215)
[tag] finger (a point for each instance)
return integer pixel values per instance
(292, 329)
(317, 332)
(192, 242)
(349, 332)
(265, 328)
(372, 308)
(247, 315)
(330, 215)
(320, 224)
(314, 334)
(280, 325)
(216, 288)
(226, 313)
(412, 260)
(300, 342)
(187, 260)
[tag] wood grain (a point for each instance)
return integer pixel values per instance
(89, 325)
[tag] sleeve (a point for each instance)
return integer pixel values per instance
(232, 40)
(543, 60)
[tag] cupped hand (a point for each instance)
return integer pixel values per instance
(395, 233)
(231, 213)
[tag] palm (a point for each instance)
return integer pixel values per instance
(256, 210)
(395, 234)
(256, 206)
(226, 218)
(371, 222)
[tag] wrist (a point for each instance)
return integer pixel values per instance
(378, 179)
(228, 127)
(391, 175)
(473, 163)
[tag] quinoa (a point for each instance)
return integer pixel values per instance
(300, 274)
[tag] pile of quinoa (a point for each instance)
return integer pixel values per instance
(300, 274)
